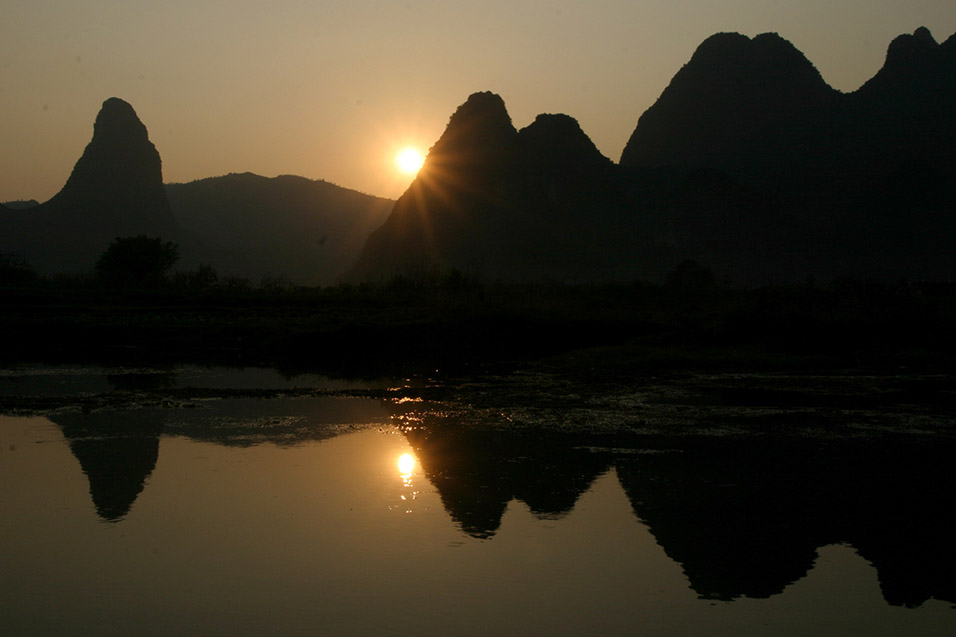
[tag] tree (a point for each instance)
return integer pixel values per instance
(137, 262)
(14, 270)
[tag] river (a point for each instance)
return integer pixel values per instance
(223, 501)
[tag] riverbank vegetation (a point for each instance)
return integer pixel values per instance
(442, 319)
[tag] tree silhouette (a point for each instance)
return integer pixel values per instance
(14, 270)
(137, 262)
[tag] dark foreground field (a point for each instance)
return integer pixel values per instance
(450, 322)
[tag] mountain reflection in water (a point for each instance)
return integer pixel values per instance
(117, 452)
(743, 516)
(477, 473)
(745, 519)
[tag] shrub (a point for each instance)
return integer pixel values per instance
(137, 262)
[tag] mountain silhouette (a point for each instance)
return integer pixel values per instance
(906, 108)
(749, 163)
(118, 181)
(756, 109)
(489, 199)
(115, 189)
(851, 184)
(291, 228)
(759, 111)
(451, 210)
(914, 62)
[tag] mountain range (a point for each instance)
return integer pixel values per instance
(283, 229)
(749, 163)
(759, 111)
(502, 203)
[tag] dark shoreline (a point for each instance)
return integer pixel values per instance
(407, 326)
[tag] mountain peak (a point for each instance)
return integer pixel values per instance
(909, 49)
(914, 63)
(118, 181)
(735, 96)
(115, 190)
(718, 46)
(117, 122)
(478, 132)
(764, 54)
(923, 34)
(557, 124)
(480, 105)
(119, 159)
(557, 140)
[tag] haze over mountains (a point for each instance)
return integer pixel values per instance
(748, 163)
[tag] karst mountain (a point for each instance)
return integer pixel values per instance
(115, 189)
(497, 202)
(284, 230)
(749, 164)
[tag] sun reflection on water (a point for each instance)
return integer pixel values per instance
(406, 464)
(406, 468)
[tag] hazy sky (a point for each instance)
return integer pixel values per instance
(329, 90)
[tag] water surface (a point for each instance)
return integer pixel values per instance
(238, 514)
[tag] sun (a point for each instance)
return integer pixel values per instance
(409, 160)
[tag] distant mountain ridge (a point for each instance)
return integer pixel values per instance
(288, 228)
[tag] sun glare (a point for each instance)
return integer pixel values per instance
(409, 160)
(406, 464)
